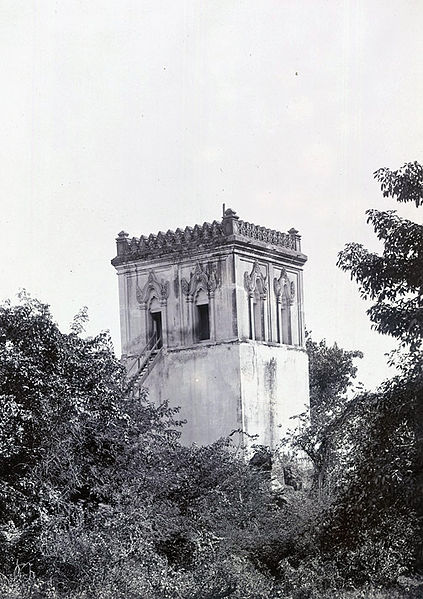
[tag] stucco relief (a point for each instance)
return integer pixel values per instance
(206, 279)
(256, 281)
(254, 349)
(284, 289)
(153, 286)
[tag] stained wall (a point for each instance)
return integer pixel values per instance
(224, 387)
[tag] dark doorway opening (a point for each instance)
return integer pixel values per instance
(203, 322)
(156, 321)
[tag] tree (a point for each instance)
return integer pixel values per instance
(394, 279)
(331, 375)
(369, 446)
(69, 439)
(386, 488)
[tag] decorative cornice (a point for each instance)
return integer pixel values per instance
(153, 285)
(287, 240)
(202, 236)
(256, 281)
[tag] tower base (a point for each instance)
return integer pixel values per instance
(249, 386)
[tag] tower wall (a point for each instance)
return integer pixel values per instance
(205, 382)
(274, 389)
(230, 386)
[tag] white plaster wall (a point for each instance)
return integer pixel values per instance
(274, 387)
(220, 387)
(204, 381)
(250, 386)
(225, 305)
(231, 307)
(242, 266)
(177, 311)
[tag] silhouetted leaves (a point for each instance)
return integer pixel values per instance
(394, 279)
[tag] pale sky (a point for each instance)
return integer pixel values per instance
(147, 115)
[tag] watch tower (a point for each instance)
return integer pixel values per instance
(212, 320)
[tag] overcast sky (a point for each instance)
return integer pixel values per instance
(147, 115)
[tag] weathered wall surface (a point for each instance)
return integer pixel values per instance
(271, 270)
(251, 386)
(274, 387)
(229, 302)
(177, 312)
(205, 382)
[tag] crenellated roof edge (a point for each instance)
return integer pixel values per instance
(202, 236)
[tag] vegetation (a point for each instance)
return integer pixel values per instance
(331, 375)
(394, 282)
(99, 500)
(97, 495)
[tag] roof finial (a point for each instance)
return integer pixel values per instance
(122, 243)
(229, 221)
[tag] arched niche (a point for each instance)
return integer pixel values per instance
(255, 284)
(285, 293)
(258, 313)
(200, 297)
(286, 316)
(152, 299)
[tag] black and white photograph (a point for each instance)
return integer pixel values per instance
(211, 299)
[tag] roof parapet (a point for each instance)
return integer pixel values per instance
(208, 234)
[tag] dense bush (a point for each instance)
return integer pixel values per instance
(97, 494)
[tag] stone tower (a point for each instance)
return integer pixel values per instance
(212, 320)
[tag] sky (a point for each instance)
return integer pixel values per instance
(148, 115)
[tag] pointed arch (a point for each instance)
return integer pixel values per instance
(285, 294)
(255, 284)
(152, 299)
(199, 292)
(153, 286)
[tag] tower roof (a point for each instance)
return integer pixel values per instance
(207, 235)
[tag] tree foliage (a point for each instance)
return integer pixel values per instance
(98, 498)
(96, 494)
(394, 279)
(367, 446)
(69, 441)
(331, 375)
(384, 485)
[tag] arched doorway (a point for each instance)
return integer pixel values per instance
(155, 332)
(202, 316)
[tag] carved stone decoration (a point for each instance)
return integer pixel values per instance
(287, 240)
(160, 288)
(205, 278)
(205, 235)
(256, 281)
(284, 288)
(176, 286)
(213, 281)
(185, 287)
(139, 295)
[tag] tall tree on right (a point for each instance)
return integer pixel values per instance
(394, 279)
(388, 472)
